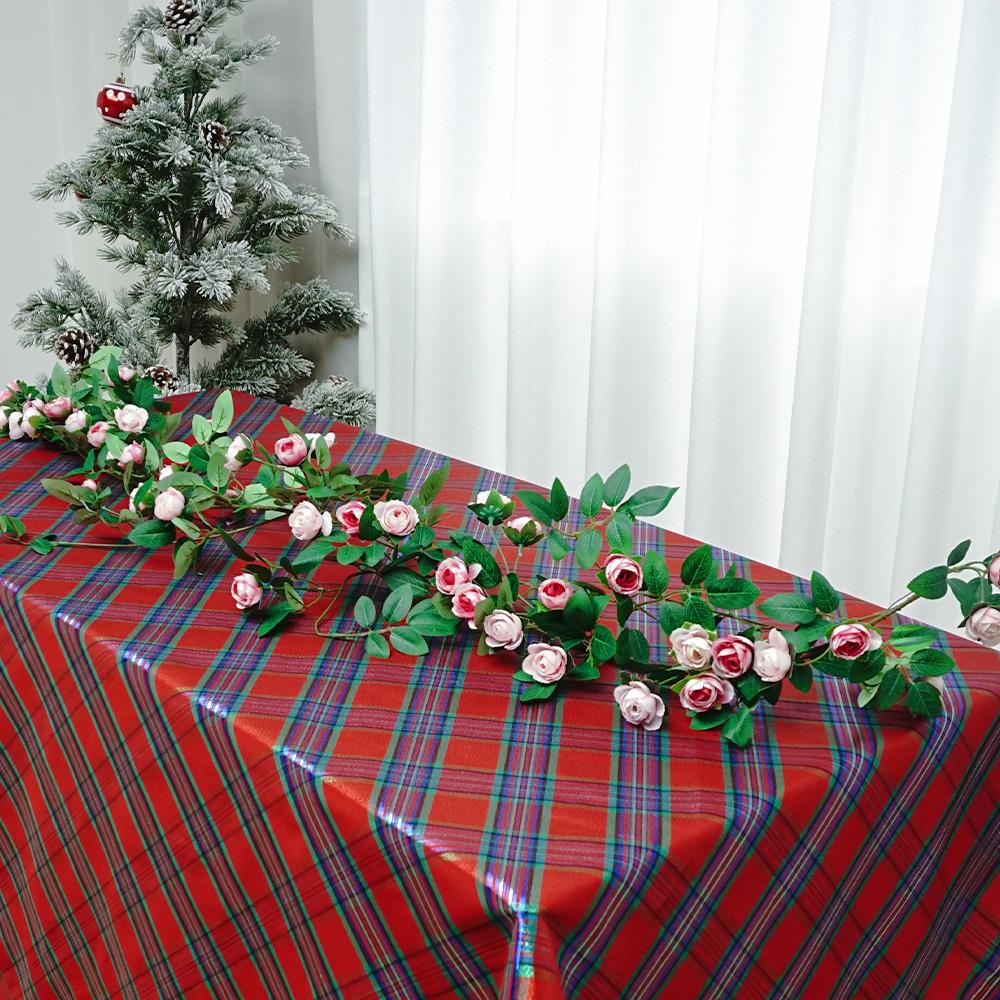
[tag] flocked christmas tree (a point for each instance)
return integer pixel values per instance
(189, 192)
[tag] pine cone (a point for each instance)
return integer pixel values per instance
(180, 15)
(74, 347)
(163, 378)
(215, 135)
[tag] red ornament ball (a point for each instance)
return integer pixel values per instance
(114, 100)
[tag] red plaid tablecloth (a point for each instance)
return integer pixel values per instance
(187, 810)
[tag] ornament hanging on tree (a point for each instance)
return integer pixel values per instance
(163, 378)
(114, 100)
(215, 135)
(179, 16)
(74, 347)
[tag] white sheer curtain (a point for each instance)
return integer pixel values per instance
(752, 247)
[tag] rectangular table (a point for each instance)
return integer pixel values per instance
(189, 810)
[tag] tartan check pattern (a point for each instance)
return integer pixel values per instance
(188, 810)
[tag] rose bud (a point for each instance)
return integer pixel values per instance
(131, 418)
(692, 646)
(98, 433)
(639, 706)
(291, 450)
(76, 421)
(624, 575)
(773, 660)
(732, 656)
(503, 630)
(246, 591)
(89, 484)
(56, 409)
(237, 453)
(133, 452)
(984, 626)
(554, 593)
(15, 426)
(125, 373)
(850, 641)
(545, 663)
(306, 521)
(484, 495)
(519, 523)
(169, 504)
(396, 517)
(349, 516)
(465, 599)
(706, 692)
(329, 438)
(995, 571)
(452, 572)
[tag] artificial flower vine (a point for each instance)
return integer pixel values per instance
(720, 661)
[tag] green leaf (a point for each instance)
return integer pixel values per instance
(377, 646)
(273, 617)
(364, 611)
(650, 500)
(188, 527)
(697, 566)
(697, 612)
(824, 596)
(739, 727)
(538, 692)
(185, 554)
(41, 545)
(866, 667)
(312, 555)
(655, 574)
(432, 486)
(588, 548)
(794, 608)
(557, 545)
(585, 671)
(429, 621)
(706, 721)
(592, 497)
(631, 647)
(152, 534)
(61, 490)
(959, 552)
(617, 485)
(538, 507)
(201, 428)
(801, 677)
(914, 636)
(408, 641)
(969, 593)
(233, 545)
(931, 662)
(732, 592)
(222, 412)
(60, 381)
(890, 689)
(931, 584)
(474, 552)
(397, 604)
(580, 612)
(217, 473)
(924, 699)
(558, 500)
(348, 554)
(671, 616)
(602, 643)
(619, 533)
(144, 393)
(177, 451)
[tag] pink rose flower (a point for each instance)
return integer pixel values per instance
(984, 626)
(246, 591)
(518, 523)
(15, 425)
(545, 663)
(848, 642)
(349, 516)
(624, 575)
(503, 630)
(125, 373)
(705, 692)
(554, 593)
(329, 438)
(452, 572)
(132, 505)
(396, 517)
(76, 421)
(131, 418)
(237, 453)
(133, 452)
(732, 656)
(291, 450)
(166, 471)
(306, 521)
(465, 599)
(5, 394)
(26, 425)
(56, 409)
(639, 706)
(169, 504)
(98, 433)
(995, 571)
(89, 484)
(773, 660)
(692, 646)
(4, 417)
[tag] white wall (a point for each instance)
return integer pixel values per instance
(52, 57)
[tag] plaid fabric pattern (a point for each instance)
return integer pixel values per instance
(188, 810)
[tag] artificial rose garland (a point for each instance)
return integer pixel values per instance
(719, 660)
